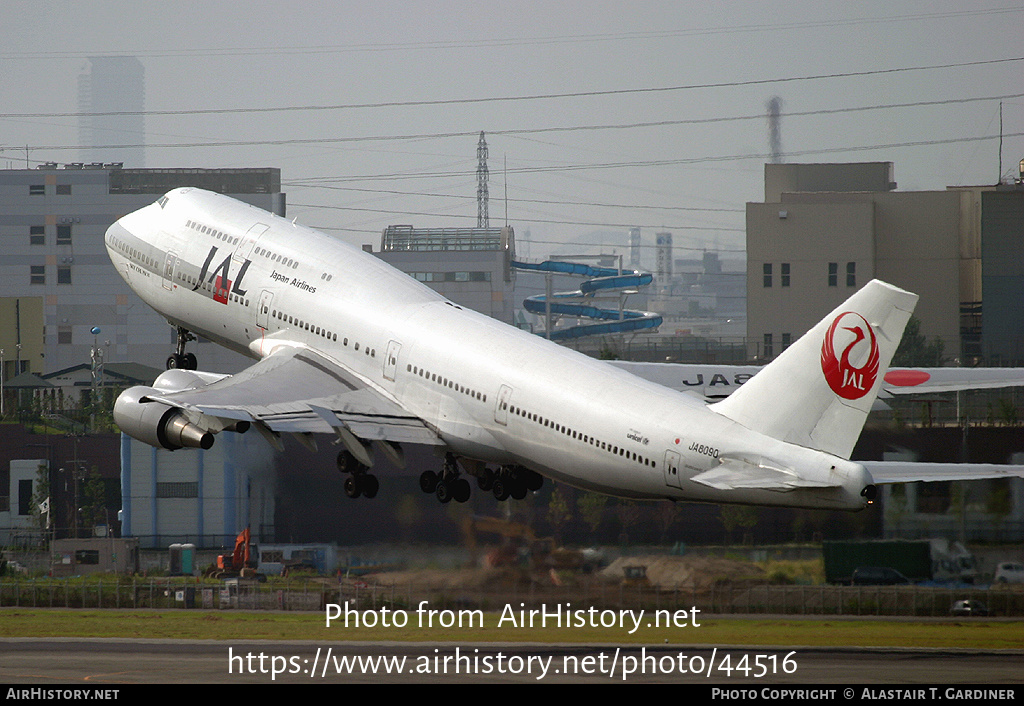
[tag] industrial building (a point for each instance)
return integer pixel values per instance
(196, 496)
(470, 266)
(824, 230)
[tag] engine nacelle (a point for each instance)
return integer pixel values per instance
(156, 423)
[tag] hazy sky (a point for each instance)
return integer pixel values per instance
(666, 127)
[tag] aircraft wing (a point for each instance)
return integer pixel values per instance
(883, 472)
(908, 381)
(298, 391)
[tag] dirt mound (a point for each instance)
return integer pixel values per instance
(691, 573)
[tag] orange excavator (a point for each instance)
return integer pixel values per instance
(241, 562)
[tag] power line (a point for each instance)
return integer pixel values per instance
(528, 97)
(680, 160)
(529, 220)
(515, 41)
(533, 131)
(392, 192)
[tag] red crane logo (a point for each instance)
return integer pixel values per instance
(848, 380)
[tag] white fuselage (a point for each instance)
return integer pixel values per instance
(253, 282)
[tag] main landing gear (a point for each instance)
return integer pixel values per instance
(515, 482)
(509, 481)
(181, 360)
(447, 485)
(361, 481)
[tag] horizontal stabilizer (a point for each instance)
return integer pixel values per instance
(883, 472)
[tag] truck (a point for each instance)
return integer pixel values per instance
(920, 560)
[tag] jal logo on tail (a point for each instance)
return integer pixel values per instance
(852, 374)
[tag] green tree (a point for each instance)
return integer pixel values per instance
(591, 507)
(738, 517)
(915, 350)
(93, 499)
(41, 500)
(560, 508)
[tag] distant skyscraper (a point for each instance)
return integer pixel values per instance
(112, 84)
(775, 130)
(634, 248)
(663, 242)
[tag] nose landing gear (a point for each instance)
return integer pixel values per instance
(180, 360)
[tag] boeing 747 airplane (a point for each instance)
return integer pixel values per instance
(348, 346)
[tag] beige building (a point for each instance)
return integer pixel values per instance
(825, 230)
(21, 336)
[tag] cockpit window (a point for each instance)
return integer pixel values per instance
(162, 201)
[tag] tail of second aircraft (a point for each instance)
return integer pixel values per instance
(819, 391)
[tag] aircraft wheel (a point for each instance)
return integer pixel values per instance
(191, 362)
(428, 481)
(519, 489)
(485, 481)
(370, 485)
(534, 481)
(352, 488)
(500, 489)
(443, 492)
(175, 362)
(347, 463)
(460, 490)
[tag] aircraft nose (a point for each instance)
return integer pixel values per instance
(118, 230)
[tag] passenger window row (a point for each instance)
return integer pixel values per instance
(133, 253)
(445, 382)
(207, 230)
(277, 257)
(318, 331)
(579, 436)
(212, 288)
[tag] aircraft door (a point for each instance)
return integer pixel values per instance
(263, 310)
(245, 245)
(672, 469)
(391, 360)
(501, 410)
(170, 261)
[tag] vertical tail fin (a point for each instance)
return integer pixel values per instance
(819, 391)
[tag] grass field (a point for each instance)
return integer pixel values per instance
(231, 625)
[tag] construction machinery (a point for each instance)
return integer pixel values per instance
(240, 563)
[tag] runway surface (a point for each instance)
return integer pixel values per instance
(97, 662)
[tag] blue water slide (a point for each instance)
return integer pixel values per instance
(602, 279)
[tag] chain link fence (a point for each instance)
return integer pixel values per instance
(315, 595)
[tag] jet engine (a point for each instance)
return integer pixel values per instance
(162, 425)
